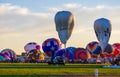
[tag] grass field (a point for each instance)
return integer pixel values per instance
(45, 70)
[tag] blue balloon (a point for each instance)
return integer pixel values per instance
(50, 45)
(70, 52)
(60, 52)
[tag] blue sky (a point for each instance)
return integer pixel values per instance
(23, 21)
(41, 5)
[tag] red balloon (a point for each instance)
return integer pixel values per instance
(81, 53)
(116, 47)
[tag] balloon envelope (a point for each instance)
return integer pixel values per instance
(93, 48)
(60, 52)
(108, 51)
(64, 22)
(116, 47)
(30, 46)
(81, 53)
(33, 55)
(42, 56)
(102, 29)
(69, 52)
(10, 53)
(50, 46)
(4, 57)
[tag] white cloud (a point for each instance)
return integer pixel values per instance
(43, 15)
(19, 20)
(71, 6)
(100, 7)
(12, 9)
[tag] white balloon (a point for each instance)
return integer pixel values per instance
(102, 29)
(64, 22)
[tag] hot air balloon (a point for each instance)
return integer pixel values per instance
(50, 46)
(64, 22)
(93, 48)
(4, 57)
(107, 52)
(10, 53)
(69, 53)
(33, 55)
(42, 55)
(81, 53)
(116, 47)
(102, 29)
(30, 46)
(60, 52)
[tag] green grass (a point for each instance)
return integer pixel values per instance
(44, 70)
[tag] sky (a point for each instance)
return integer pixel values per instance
(24, 21)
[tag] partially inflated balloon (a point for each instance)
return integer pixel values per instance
(81, 53)
(4, 57)
(94, 48)
(69, 52)
(10, 53)
(60, 52)
(102, 29)
(51, 45)
(64, 22)
(108, 51)
(42, 55)
(33, 55)
(116, 47)
(30, 46)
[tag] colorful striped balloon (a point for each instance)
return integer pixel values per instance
(10, 53)
(4, 57)
(94, 48)
(33, 55)
(81, 53)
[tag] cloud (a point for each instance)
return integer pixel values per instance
(71, 6)
(19, 20)
(43, 15)
(12, 9)
(68, 6)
